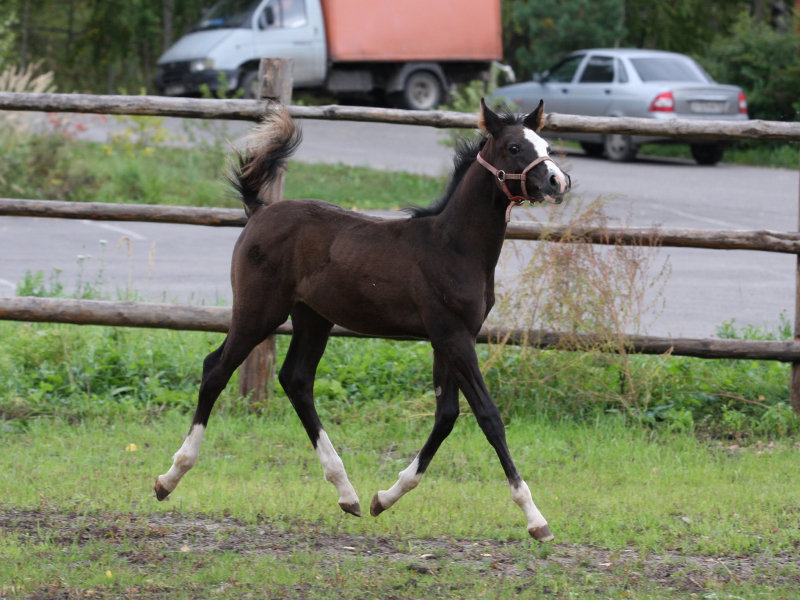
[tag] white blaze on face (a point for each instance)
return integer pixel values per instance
(333, 468)
(540, 146)
(184, 459)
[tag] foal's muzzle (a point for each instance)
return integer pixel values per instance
(555, 186)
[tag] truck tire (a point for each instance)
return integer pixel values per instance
(592, 149)
(422, 91)
(707, 154)
(619, 148)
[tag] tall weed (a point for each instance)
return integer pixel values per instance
(577, 288)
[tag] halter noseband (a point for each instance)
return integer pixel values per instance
(502, 177)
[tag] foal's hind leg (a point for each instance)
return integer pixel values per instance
(218, 367)
(446, 392)
(309, 338)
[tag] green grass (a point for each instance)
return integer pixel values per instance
(757, 154)
(60, 168)
(657, 506)
(602, 486)
(782, 155)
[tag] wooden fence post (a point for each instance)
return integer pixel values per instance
(794, 385)
(258, 369)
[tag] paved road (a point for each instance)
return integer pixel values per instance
(188, 263)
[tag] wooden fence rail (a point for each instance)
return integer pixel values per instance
(199, 318)
(253, 110)
(718, 239)
(217, 319)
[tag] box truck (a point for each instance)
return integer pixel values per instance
(410, 51)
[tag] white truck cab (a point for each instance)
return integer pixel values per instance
(225, 47)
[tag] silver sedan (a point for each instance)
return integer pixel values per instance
(617, 82)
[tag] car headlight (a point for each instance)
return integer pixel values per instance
(201, 64)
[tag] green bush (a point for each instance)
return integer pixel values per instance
(764, 62)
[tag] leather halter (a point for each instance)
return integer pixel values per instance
(502, 177)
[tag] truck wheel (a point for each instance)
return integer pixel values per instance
(422, 91)
(619, 148)
(707, 154)
(249, 85)
(592, 149)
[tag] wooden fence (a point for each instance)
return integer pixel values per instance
(217, 319)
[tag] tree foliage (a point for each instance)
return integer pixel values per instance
(764, 62)
(536, 34)
(678, 25)
(101, 46)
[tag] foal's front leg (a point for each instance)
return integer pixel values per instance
(446, 392)
(463, 362)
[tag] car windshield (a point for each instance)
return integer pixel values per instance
(564, 71)
(228, 14)
(668, 69)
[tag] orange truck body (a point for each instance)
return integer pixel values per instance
(413, 30)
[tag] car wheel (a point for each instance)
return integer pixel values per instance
(619, 148)
(250, 85)
(422, 91)
(707, 154)
(592, 149)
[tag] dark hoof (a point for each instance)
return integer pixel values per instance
(541, 533)
(354, 508)
(161, 491)
(375, 508)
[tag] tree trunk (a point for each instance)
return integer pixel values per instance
(167, 20)
(26, 27)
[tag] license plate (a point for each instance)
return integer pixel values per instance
(175, 90)
(707, 107)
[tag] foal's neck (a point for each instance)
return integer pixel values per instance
(474, 218)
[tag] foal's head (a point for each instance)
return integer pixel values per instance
(519, 159)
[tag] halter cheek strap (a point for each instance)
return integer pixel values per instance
(501, 177)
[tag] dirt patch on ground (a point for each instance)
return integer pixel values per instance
(146, 539)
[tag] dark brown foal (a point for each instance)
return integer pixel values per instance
(430, 276)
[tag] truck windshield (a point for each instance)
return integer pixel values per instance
(228, 14)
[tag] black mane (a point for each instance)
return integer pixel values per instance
(466, 153)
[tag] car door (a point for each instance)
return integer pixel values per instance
(594, 90)
(284, 29)
(558, 84)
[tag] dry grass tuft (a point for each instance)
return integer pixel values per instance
(19, 79)
(593, 295)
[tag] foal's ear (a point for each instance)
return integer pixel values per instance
(489, 121)
(535, 120)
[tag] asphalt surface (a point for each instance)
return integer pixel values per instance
(177, 263)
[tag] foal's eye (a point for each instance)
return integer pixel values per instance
(514, 148)
(548, 149)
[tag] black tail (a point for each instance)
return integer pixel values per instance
(268, 148)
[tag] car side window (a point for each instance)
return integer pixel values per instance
(564, 71)
(599, 69)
